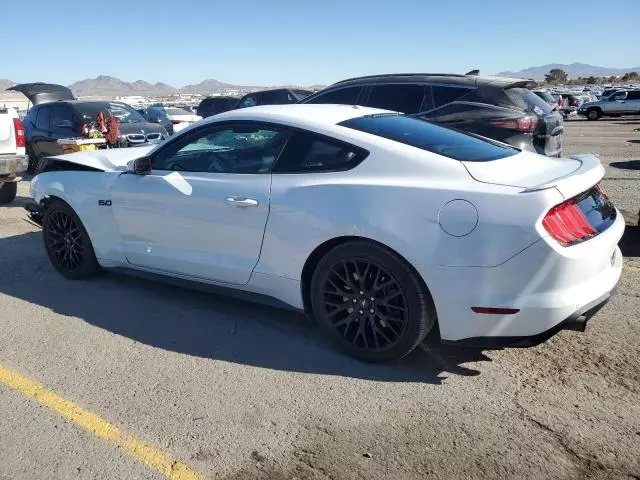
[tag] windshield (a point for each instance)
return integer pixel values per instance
(432, 138)
(89, 111)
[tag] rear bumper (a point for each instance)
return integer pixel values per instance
(552, 288)
(12, 164)
(577, 321)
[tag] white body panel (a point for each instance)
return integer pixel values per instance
(8, 134)
(180, 224)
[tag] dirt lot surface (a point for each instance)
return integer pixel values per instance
(241, 391)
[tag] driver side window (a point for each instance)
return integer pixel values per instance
(238, 148)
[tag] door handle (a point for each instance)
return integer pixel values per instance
(242, 201)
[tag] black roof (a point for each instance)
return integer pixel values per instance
(449, 78)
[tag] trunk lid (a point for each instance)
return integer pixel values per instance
(532, 172)
(38, 93)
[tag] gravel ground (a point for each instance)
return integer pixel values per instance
(242, 391)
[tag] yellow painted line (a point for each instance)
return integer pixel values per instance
(631, 269)
(141, 451)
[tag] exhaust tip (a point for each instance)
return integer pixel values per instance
(578, 324)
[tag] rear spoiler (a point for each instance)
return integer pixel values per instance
(589, 173)
(507, 83)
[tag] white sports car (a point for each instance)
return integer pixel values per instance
(381, 226)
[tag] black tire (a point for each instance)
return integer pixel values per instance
(364, 285)
(67, 243)
(594, 114)
(8, 192)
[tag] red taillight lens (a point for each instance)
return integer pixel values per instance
(19, 128)
(524, 125)
(567, 224)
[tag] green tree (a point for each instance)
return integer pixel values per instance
(591, 80)
(556, 76)
(630, 76)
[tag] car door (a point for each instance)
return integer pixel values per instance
(617, 103)
(39, 138)
(633, 100)
(202, 210)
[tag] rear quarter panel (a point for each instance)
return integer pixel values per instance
(83, 191)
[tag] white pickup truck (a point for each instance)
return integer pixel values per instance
(13, 159)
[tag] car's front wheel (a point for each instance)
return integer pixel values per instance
(370, 302)
(594, 114)
(67, 243)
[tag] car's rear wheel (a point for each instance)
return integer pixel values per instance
(8, 192)
(594, 114)
(67, 243)
(370, 301)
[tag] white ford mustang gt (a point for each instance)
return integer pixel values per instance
(381, 226)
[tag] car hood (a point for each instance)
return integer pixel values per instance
(531, 172)
(43, 92)
(112, 160)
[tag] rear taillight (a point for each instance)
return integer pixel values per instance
(567, 224)
(19, 128)
(524, 125)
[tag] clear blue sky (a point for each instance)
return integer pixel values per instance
(278, 42)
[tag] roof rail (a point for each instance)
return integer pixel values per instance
(386, 75)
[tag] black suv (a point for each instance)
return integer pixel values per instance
(56, 114)
(213, 105)
(503, 109)
(278, 96)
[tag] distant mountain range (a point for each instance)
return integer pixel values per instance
(104, 85)
(574, 70)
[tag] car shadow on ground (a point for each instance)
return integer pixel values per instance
(627, 164)
(205, 324)
(630, 242)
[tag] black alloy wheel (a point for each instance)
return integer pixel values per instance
(67, 243)
(370, 302)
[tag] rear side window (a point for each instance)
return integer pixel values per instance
(528, 101)
(399, 98)
(276, 97)
(633, 95)
(42, 120)
(308, 152)
(432, 138)
(443, 95)
(249, 101)
(341, 96)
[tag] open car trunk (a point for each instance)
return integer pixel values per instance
(43, 92)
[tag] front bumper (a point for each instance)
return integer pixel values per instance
(12, 164)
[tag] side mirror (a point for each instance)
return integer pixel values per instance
(63, 124)
(139, 166)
